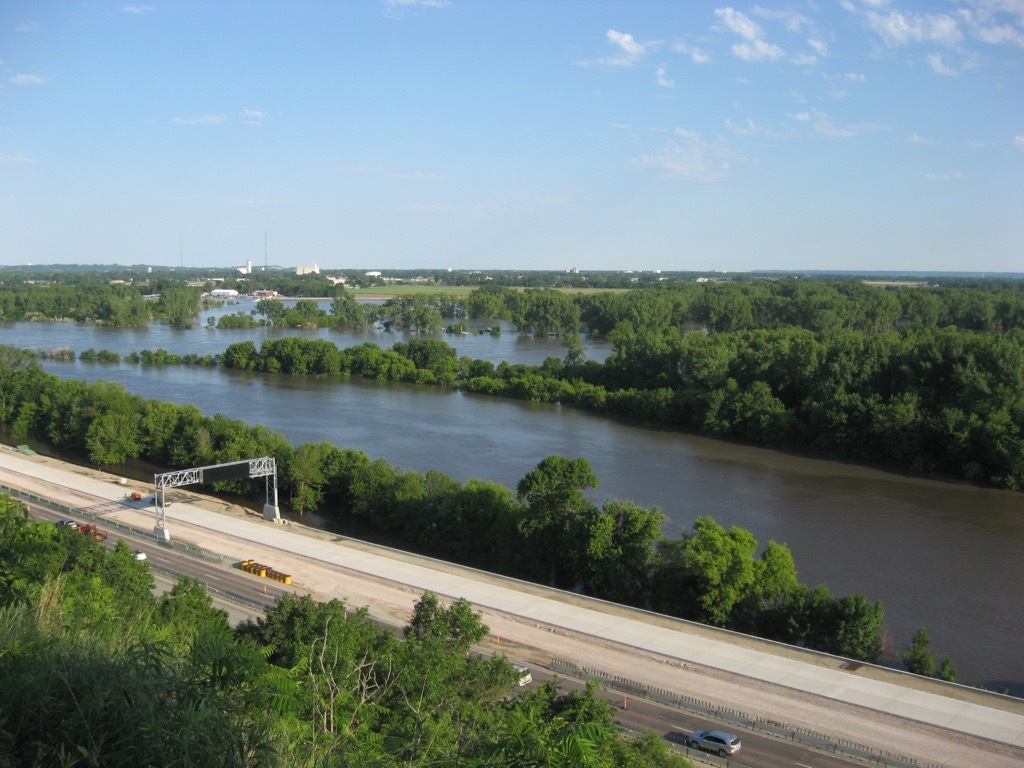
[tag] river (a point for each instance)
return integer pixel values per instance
(942, 555)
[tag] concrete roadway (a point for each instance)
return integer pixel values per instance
(637, 715)
(988, 722)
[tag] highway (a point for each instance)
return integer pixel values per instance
(634, 713)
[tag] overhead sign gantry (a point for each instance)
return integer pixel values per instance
(251, 468)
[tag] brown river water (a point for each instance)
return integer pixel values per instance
(942, 555)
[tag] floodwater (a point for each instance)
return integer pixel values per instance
(942, 555)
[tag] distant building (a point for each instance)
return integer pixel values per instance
(314, 270)
(224, 293)
(261, 294)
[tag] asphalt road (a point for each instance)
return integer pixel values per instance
(241, 594)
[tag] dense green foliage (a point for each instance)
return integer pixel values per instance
(944, 401)
(547, 530)
(925, 379)
(98, 671)
(919, 660)
(117, 304)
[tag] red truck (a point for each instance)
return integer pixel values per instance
(90, 529)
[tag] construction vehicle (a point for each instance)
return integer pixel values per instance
(90, 529)
(135, 496)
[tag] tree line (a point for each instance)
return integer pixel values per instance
(943, 401)
(99, 671)
(546, 529)
(928, 380)
(119, 305)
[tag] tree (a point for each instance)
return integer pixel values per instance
(946, 671)
(291, 625)
(22, 541)
(130, 579)
(240, 356)
(433, 355)
(719, 570)
(457, 626)
(113, 438)
(857, 629)
(187, 607)
(349, 313)
(616, 548)
(546, 730)
(553, 492)
(918, 657)
(575, 353)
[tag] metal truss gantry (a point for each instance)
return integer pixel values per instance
(251, 468)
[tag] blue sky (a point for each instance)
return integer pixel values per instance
(514, 134)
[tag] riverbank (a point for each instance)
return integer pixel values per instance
(854, 529)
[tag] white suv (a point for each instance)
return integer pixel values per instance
(719, 742)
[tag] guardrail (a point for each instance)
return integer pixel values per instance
(95, 514)
(113, 526)
(735, 717)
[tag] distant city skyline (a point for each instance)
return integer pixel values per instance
(828, 135)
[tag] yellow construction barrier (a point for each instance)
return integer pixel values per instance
(265, 571)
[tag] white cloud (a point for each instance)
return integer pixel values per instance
(697, 56)
(349, 170)
(747, 128)
(663, 79)
(28, 80)
(425, 3)
(918, 139)
(627, 43)
(399, 9)
(30, 26)
(943, 177)
(1018, 140)
(137, 9)
(801, 117)
(15, 160)
(629, 52)
(824, 126)
(630, 48)
(805, 60)
(935, 62)
(204, 120)
(758, 50)
(995, 21)
(897, 28)
(687, 156)
(754, 47)
(855, 77)
(252, 116)
(820, 47)
(740, 23)
(794, 21)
